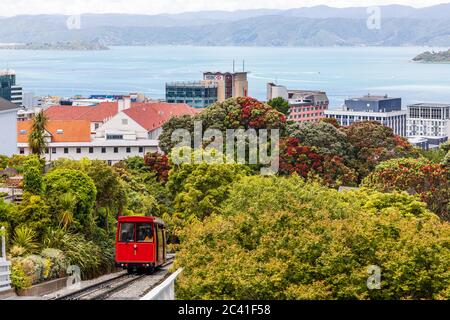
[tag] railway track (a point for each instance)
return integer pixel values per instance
(105, 289)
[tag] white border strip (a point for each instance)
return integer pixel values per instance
(158, 292)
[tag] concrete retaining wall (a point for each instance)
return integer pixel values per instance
(165, 291)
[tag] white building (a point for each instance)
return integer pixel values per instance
(428, 120)
(133, 131)
(8, 125)
(396, 120)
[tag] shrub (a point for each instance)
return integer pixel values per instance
(428, 180)
(19, 279)
(314, 244)
(58, 262)
(63, 181)
(25, 237)
(32, 175)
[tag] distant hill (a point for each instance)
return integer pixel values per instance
(434, 57)
(315, 26)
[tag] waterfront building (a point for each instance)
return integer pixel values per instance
(8, 123)
(382, 109)
(132, 131)
(305, 105)
(199, 94)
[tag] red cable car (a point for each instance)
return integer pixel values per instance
(140, 243)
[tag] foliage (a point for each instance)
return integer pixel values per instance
(297, 158)
(325, 137)
(62, 181)
(373, 143)
(158, 164)
(33, 213)
(17, 161)
(315, 244)
(32, 175)
(36, 138)
(280, 105)
(58, 262)
(416, 176)
(25, 237)
(3, 162)
(233, 113)
(200, 189)
(332, 121)
(19, 279)
(79, 251)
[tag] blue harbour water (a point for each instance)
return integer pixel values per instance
(341, 71)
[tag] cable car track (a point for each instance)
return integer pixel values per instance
(104, 289)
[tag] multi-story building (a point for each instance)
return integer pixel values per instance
(229, 84)
(8, 124)
(199, 94)
(428, 120)
(131, 131)
(382, 109)
(305, 105)
(9, 90)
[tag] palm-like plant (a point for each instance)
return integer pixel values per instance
(67, 201)
(36, 139)
(25, 237)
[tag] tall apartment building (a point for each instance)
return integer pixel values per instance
(199, 94)
(383, 109)
(9, 90)
(305, 105)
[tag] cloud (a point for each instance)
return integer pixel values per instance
(18, 7)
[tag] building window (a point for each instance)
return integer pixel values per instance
(103, 150)
(128, 150)
(96, 126)
(125, 122)
(22, 150)
(66, 150)
(46, 151)
(53, 150)
(116, 150)
(78, 150)
(114, 137)
(91, 150)
(141, 149)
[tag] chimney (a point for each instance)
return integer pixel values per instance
(124, 103)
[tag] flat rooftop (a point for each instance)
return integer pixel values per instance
(430, 105)
(373, 98)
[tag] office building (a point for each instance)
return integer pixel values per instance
(382, 109)
(199, 94)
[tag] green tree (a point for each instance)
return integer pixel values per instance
(36, 138)
(62, 181)
(420, 177)
(32, 175)
(280, 105)
(316, 243)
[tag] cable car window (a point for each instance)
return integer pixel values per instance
(144, 232)
(126, 232)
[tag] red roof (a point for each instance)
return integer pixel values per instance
(60, 130)
(98, 113)
(153, 115)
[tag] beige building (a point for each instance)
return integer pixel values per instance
(229, 84)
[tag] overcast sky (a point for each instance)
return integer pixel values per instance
(16, 7)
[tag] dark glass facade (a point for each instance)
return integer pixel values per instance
(6, 82)
(195, 94)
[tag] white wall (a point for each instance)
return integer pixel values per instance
(115, 124)
(8, 137)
